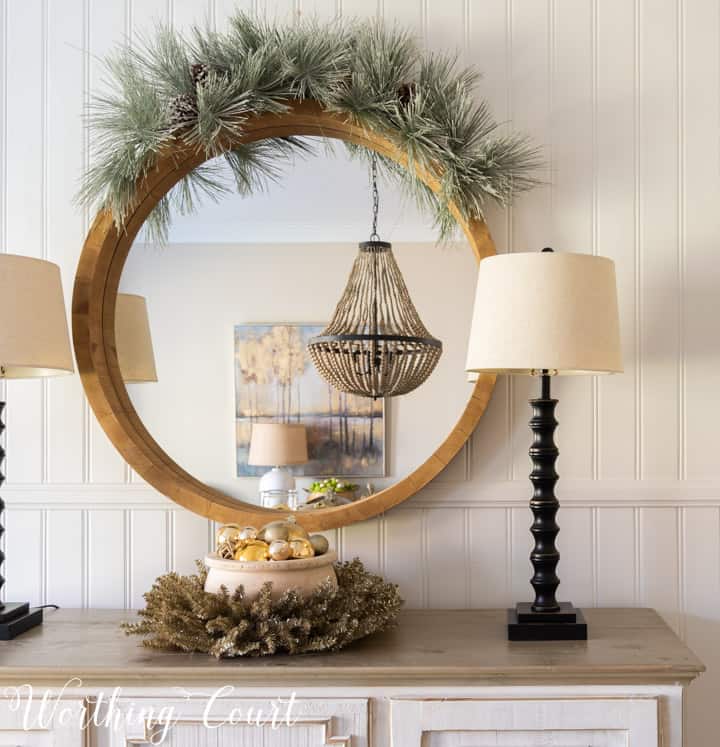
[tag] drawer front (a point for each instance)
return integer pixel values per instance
(196, 721)
(525, 723)
(36, 719)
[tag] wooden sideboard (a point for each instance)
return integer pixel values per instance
(442, 678)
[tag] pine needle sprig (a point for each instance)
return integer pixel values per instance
(180, 615)
(200, 89)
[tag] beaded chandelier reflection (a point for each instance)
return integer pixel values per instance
(375, 344)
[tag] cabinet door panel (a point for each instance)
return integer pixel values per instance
(200, 720)
(525, 723)
(27, 721)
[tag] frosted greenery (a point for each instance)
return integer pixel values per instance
(180, 615)
(201, 88)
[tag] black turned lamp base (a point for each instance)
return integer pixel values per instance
(16, 618)
(567, 624)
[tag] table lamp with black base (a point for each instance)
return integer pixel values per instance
(34, 342)
(545, 314)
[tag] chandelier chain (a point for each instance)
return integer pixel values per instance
(374, 236)
(375, 345)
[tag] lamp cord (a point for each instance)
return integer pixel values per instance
(374, 236)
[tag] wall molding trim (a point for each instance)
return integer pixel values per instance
(509, 494)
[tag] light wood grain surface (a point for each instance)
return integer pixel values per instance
(448, 647)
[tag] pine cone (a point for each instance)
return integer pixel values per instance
(182, 109)
(406, 93)
(199, 72)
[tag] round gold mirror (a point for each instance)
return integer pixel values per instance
(97, 281)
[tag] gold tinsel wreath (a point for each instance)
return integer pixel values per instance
(180, 615)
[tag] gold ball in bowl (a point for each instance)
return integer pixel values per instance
(301, 548)
(248, 533)
(275, 530)
(319, 544)
(253, 551)
(296, 532)
(228, 533)
(280, 550)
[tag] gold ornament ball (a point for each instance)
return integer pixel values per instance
(248, 533)
(275, 530)
(280, 550)
(319, 544)
(252, 551)
(301, 548)
(295, 531)
(228, 533)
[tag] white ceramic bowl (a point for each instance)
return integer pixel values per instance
(304, 575)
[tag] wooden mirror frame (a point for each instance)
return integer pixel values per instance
(93, 320)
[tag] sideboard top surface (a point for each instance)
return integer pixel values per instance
(448, 647)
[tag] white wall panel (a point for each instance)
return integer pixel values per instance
(149, 544)
(623, 97)
(190, 537)
(491, 443)
(325, 9)
(447, 27)
(363, 541)
(405, 553)
(408, 13)
(66, 566)
(577, 561)
(145, 14)
(447, 549)
(279, 10)
(25, 556)
(64, 224)
(659, 555)
(616, 546)
(488, 561)
(699, 235)
(184, 14)
(108, 580)
(659, 299)
(521, 543)
(617, 224)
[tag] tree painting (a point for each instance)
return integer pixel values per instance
(275, 381)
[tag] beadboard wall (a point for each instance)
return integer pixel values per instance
(623, 96)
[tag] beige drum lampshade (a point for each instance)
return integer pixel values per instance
(34, 338)
(277, 445)
(545, 310)
(133, 339)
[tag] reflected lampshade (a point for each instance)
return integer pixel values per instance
(545, 311)
(34, 339)
(277, 445)
(133, 339)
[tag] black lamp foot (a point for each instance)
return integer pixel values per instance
(16, 618)
(567, 624)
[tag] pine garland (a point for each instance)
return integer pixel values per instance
(201, 88)
(180, 615)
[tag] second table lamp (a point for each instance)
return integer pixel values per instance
(545, 314)
(277, 445)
